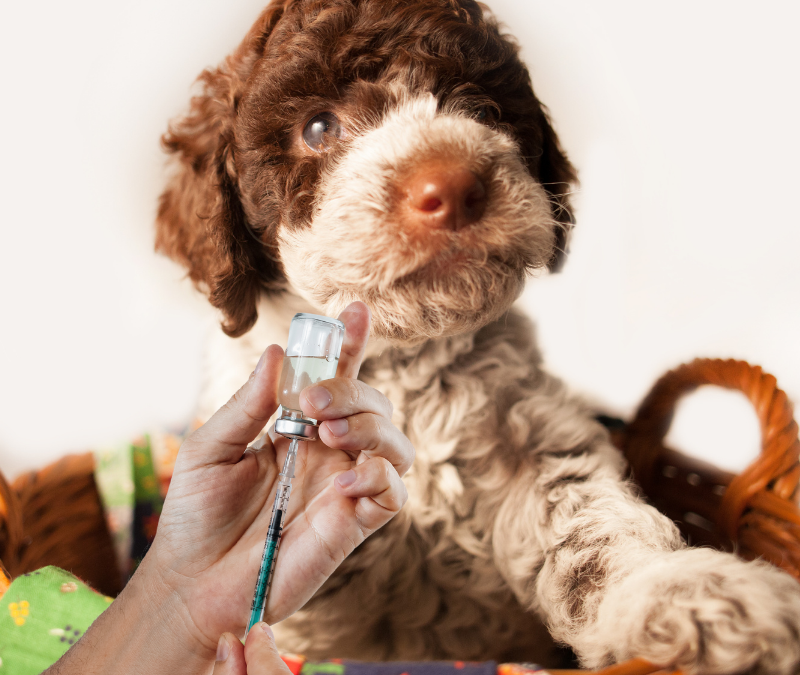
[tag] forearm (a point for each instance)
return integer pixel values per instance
(145, 630)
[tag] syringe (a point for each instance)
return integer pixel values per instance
(312, 355)
(274, 532)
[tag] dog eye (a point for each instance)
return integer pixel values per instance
(485, 114)
(320, 131)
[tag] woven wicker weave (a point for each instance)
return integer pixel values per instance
(54, 516)
(58, 520)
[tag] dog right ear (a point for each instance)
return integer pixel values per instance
(201, 223)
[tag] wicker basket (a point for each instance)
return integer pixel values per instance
(54, 516)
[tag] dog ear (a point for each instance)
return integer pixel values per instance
(201, 222)
(558, 177)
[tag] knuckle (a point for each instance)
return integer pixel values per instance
(385, 468)
(387, 405)
(353, 394)
(236, 400)
(378, 433)
(397, 498)
(381, 403)
(402, 496)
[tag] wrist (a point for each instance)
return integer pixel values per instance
(155, 594)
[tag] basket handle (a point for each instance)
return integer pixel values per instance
(759, 506)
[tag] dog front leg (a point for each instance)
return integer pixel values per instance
(613, 579)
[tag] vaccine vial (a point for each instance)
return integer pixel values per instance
(312, 355)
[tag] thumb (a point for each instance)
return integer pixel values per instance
(224, 437)
(230, 656)
(261, 654)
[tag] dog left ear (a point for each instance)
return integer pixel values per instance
(201, 222)
(558, 177)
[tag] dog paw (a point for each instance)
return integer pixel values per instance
(705, 612)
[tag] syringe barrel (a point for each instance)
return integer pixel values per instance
(270, 555)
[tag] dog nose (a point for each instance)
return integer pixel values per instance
(445, 197)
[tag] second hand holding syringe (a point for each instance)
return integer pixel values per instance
(312, 355)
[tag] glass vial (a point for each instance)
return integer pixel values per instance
(312, 355)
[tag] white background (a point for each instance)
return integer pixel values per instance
(682, 118)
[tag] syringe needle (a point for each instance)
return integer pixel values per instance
(273, 536)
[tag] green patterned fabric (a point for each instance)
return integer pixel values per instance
(42, 614)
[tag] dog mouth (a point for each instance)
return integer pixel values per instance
(454, 264)
(458, 290)
(443, 256)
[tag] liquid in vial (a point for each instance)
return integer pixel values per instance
(300, 372)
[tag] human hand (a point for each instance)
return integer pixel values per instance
(258, 656)
(211, 532)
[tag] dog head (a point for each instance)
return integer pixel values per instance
(391, 151)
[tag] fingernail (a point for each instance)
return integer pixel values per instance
(319, 397)
(265, 627)
(346, 479)
(260, 363)
(337, 427)
(223, 649)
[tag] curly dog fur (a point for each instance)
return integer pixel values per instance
(519, 516)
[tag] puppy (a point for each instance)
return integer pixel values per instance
(394, 151)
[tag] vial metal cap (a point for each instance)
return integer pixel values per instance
(292, 427)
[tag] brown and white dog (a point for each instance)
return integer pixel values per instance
(393, 151)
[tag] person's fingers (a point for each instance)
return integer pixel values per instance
(379, 490)
(230, 656)
(355, 318)
(372, 435)
(261, 654)
(342, 397)
(224, 437)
